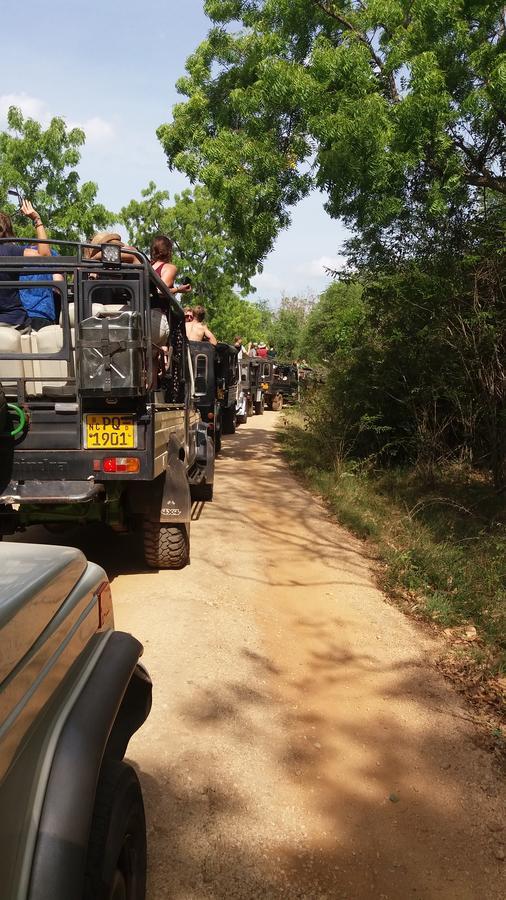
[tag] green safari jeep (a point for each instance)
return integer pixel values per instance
(72, 693)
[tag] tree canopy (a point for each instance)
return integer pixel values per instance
(333, 321)
(384, 105)
(287, 328)
(201, 246)
(42, 163)
(202, 251)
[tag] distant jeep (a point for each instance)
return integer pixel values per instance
(72, 693)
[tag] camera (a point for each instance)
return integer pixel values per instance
(13, 192)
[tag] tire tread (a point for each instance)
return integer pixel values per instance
(165, 546)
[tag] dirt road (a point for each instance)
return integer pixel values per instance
(300, 744)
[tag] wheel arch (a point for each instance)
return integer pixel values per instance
(112, 705)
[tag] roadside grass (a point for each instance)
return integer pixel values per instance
(442, 541)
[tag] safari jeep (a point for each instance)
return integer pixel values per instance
(72, 693)
(216, 376)
(273, 397)
(102, 425)
(252, 399)
(285, 381)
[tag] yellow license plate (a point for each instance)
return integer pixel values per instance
(110, 432)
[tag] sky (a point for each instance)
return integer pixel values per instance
(112, 68)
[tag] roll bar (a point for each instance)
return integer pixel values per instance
(79, 260)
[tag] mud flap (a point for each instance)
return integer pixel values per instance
(166, 500)
(205, 455)
(210, 461)
(176, 500)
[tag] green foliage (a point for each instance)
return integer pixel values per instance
(42, 163)
(388, 106)
(237, 317)
(333, 322)
(202, 251)
(287, 327)
(202, 248)
(415, 350)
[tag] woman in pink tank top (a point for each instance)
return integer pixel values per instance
(161, 260)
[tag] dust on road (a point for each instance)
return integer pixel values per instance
(300, 743)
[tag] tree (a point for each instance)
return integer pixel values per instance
(42, 164)
(238, 317)
(202, 249)
(332, 323)
(203, 252)
(385, 105)
(286, 332)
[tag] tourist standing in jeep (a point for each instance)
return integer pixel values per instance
(161, 259)
(196, 329)
(12, 311)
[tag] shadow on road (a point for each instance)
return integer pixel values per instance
(374, 808)
(336, 766)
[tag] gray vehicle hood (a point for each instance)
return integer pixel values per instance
(35, 579)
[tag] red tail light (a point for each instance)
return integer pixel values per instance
(128, 464)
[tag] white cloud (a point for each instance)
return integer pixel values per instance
(318, 268)
(267, 281)
(29, 106)
(98, 131)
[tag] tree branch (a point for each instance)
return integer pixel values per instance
(362, 37)
(495, 183)
(484, 177)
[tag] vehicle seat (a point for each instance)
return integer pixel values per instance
(10, 342)
(97, 309)
(47, 340)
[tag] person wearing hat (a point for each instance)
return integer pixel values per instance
(262, 350)
(108, 237)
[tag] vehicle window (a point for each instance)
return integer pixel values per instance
(201, 374)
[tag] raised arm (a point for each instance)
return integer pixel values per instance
(31, 213)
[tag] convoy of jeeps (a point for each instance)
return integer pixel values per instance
(109, 420)
(110, 416)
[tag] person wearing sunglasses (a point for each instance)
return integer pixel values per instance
(196, 328)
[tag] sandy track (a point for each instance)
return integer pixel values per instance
(300, 743)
